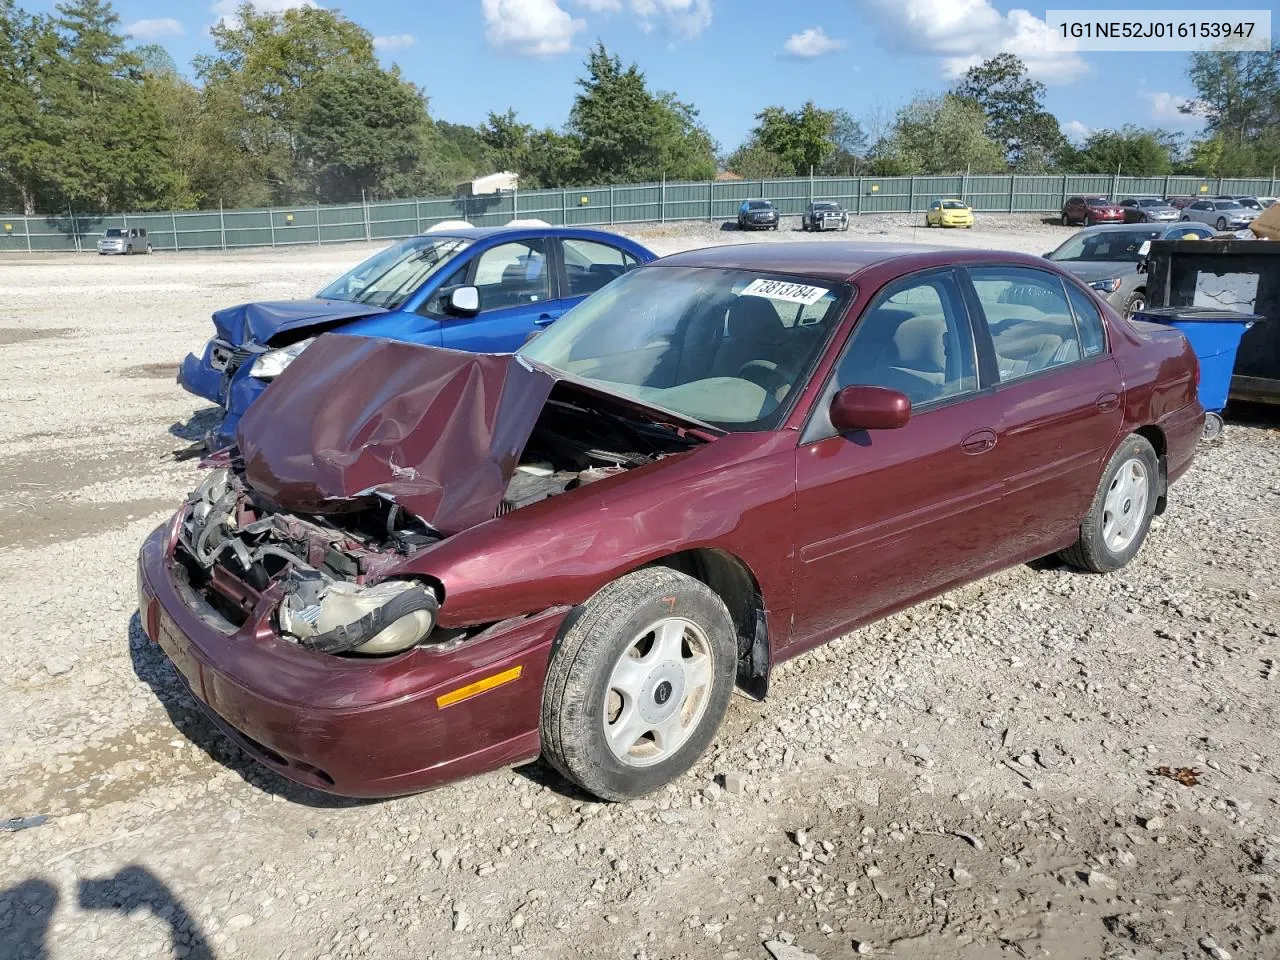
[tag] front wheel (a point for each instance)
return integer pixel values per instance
(1066, 221)
(1222, 224)
(1113, 530)
(1136, 302)
(150, 249)
(639, 684)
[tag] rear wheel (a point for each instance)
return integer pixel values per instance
(1117, 522)
(639, 684)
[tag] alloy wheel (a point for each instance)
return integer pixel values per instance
(1125, 506)
(658, 691)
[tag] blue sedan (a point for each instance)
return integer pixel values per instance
(484, 290)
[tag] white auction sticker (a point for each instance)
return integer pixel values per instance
(784, 290)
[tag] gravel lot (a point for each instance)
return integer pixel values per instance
(973, 778)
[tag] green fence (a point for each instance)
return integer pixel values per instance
(592, 206)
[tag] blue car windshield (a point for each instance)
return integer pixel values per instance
(389, 278)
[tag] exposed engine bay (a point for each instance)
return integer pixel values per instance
(335, 573)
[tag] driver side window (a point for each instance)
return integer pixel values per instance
(914, 339)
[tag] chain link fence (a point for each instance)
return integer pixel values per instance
(318, 225)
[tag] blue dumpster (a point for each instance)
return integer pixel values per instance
(1214, 335)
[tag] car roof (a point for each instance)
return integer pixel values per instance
(838, 261)
(522, 233)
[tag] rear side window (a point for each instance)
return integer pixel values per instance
(589, 265)
(1031, 323)
(1093, 336)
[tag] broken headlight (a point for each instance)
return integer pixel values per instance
(273, 363)
(340, 617)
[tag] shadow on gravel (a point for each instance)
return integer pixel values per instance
(201, 422)
(26, 911)
(153, 668)
(545, 776)
(134, 888)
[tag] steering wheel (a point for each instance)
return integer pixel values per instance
(767, 377)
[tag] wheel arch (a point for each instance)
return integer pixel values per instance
(1155, 436)
(731, 579)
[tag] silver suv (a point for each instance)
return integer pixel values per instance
(124, 240)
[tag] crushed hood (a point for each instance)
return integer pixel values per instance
(260, 322)
(440, 432)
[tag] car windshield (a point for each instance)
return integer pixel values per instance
(730, 348)
(825, 206)
(1105, 245)
(1098, 202)
(389, 278)
(1151, 202)
(1250, 202)
(1228, 205)
(758, 205)
(114, 232)
(953, 205)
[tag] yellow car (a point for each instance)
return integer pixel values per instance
(949, 213)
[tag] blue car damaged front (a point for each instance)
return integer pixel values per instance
(526, 278)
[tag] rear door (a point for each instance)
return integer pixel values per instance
(1059, 393)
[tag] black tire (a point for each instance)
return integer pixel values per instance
(150, 249)
(1088, 221)
(583, 661)
(1091, 551)
(1134, 302)
(1222, 224)
(1185, 219)
(1066, 221)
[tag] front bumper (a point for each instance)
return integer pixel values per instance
(201, 376)
(352, 727)
(957, 221)
(829, 223)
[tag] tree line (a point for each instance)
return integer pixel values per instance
(294, 107)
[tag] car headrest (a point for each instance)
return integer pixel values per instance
(754, 319)
(921, 343)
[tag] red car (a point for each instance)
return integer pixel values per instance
(420, 564)
(1090, 211)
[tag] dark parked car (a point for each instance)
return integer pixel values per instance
(1091, 210)
(1106, 259)
(1148, 210)
(757, 215)
(421, 564)
(824, 215)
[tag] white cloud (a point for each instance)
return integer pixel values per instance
(1075, 131)
(683, 18)
(810, 43)
(533, 28)
(1165, 108)
(154, 29)
(396, 41)
(966, 32)
(225, 10)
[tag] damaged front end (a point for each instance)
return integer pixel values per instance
(334, 593)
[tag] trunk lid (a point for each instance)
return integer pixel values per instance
(259, 322)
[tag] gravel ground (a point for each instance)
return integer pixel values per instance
(976, 777)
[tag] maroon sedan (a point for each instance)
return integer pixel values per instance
(1090, 211)
(420, 564)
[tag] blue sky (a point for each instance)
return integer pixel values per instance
(728, 57)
